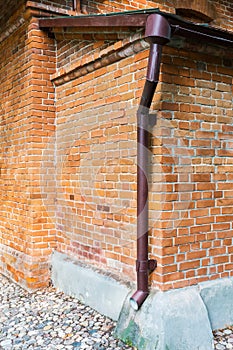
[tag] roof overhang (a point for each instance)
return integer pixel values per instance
(134, 20)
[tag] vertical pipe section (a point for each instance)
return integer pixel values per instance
(77, 5)
(158, 33)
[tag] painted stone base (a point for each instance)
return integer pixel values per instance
(181, 319)
(101, 292)
(176, 320)
(217, 296)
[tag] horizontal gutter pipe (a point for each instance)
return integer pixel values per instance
(158, 33)
(136, 20)
(197, 35)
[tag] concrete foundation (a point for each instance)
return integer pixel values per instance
(217, 296)
(181, 319)
(175, 320)
(101, 292)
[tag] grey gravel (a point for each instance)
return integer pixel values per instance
(223, 339)
(48, 319)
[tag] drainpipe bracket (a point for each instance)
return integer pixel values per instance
(152, 264)
(146, 265)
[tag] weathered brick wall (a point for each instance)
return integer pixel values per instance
(220, 11)
(96, 150)
(27, 121)
(14, 209)
(63, 4)
(224, 11)
(50, 7)
(70, 184)
(9, 8)
(41, 240)
(193, 235)
(190, 232)
(93, 6)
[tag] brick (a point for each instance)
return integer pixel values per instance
(173, 277)
(201, 177)
(189, 265)
(196, 255)
(94, 119)
(205, 203)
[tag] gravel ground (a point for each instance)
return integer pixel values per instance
(223, 339)
(51, 320)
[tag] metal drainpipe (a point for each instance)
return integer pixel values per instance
(77, 5)
(79, 8)
(74, 5)
(158, 33)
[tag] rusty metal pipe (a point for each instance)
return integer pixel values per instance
(158, 33)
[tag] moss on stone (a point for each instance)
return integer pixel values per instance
(130, 334)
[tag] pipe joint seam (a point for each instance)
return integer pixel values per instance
(143, 111)
(146, 120)
(143, 120)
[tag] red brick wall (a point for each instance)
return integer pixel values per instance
(123, 5)
(193, 235)
(27, 121)
(96, 157)
(190, 233)
(64, 4)
(219, 10)
(68, 152)
(224, 10)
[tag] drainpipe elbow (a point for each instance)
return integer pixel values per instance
(144, 269)
(138, 299)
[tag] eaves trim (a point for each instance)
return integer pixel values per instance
(133, 20)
